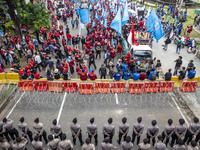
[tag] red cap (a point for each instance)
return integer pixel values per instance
(90, 53)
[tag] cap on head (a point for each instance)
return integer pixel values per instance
(107, 139)
(50, 137)
(87, 141)
(154, 122)
(181, 121)
(110, 120)
(36, 138)
(139, 119)
(18, 139)
(92, 120)
(74, 120)
(196, 120)
(5, 119)
(170, 121)
(63, 136)
(36, 120)
(124, 120)
(54, 122)
(128, 139)
(21, 119)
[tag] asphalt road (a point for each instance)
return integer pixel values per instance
(47, 105)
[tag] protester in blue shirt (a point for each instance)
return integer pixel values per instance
(124, 67)
(136, 76)
(35, 41)
(152, 75)
(192, 73)
(51, 64)
(52, 48)
(127, 75)
(117, 76)
(180, 28)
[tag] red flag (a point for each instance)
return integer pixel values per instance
(131, 37)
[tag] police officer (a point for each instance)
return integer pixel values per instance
(20, 144)
(53, 142)
(23, 127)
(65, 144)
(137, 130)
(38, 129)
(56, 129)
(76, 131)
(105, 145)
(192, 131)
(88, 145)
(160, 145)
(37, 144)
(4, 144)
(92, 131)
(127, 144)
(179, 132)
(5, 134)
(8, 127)
(109, 130)
(123, 130)
(168, 131)
(152, 131)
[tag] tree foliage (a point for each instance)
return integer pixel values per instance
(33, 15)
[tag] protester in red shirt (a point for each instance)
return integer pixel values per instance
(37, 75)
(112, 53)
(71, 66)
(92, 75)
(83, 74)
(142, 75)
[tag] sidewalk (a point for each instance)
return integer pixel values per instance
(167, 57)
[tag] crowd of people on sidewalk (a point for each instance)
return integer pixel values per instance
(60, 54)
(179, 137)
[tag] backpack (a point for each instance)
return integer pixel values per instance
(179, 44)
(153, 76)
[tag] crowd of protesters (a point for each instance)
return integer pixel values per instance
(178, 137)
(61, 55)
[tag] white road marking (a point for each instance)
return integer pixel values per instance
(180, 111)
(15, 105)
(117, 102)
(61, 107)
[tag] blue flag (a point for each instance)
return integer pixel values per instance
(99, 17)
(125, 46)
(154, 25)
(93, 24)
(84, 15)
(105, 23)
(123, 1)
(96, 16)
(125, 18)
(117, 23)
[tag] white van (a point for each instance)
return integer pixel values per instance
(141, 52)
